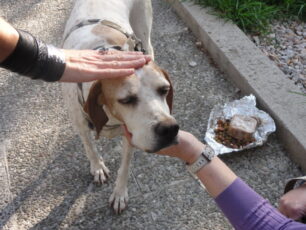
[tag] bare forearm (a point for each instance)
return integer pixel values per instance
(8, 39)
(244, 208)
(216, 177)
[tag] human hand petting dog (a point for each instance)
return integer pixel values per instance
(293, 203)
(22, 53)
(90, 65)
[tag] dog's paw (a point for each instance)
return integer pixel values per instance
(100, 172)
(119, 200)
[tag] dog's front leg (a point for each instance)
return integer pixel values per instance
(119, 198)
(97, 166)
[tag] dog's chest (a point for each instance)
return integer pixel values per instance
(111, 130)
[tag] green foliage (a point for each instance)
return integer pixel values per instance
(298, 93)
(254, 16)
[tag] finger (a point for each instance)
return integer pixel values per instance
(167, 151)
(123, 52)
(113, 73)
(114, 52)
(129, 62)
(148, 58)
(132, 52)
(122, 64)
(92, 55)
(119, 57)
(94, 74)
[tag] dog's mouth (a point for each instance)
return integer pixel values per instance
(162, 145)
(127, 133)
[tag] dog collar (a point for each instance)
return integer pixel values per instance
(133, 42)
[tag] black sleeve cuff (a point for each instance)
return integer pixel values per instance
(35, 59)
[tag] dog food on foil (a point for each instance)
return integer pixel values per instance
(238, 125)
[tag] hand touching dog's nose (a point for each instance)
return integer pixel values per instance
(166, 130)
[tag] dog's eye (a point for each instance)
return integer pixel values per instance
(130, 100)
(163, 90)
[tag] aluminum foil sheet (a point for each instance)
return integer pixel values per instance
(244, 106)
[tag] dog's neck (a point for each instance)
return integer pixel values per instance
(111, 36)
(107, 35)
(116, 39)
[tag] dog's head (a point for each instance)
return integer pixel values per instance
(142, 101)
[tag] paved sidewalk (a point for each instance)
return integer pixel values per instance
(44, 173)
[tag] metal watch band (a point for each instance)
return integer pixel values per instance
(206, 156)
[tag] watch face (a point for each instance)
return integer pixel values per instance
(209, 152)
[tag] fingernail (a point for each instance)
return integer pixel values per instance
(148, 57)
(140, 61)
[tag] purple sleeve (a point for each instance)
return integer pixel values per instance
(246, 210)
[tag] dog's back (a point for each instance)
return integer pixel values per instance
(117, 11)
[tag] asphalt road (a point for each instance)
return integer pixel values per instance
(44, 174)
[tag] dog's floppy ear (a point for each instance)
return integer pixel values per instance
(170, 93)
(94, 108)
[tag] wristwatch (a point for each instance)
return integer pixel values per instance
(206, 156)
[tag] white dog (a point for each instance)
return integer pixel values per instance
(141, 103)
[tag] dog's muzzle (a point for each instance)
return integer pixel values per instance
(166, 134)
(166, 131)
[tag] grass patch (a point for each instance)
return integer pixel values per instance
(254, 16)
(298, 93)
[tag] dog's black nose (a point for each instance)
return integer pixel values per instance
(166, 130)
